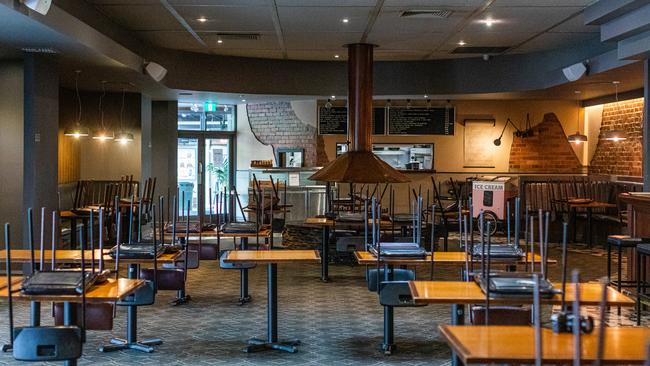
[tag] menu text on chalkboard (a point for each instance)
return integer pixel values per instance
(421, 121)
(334, 121)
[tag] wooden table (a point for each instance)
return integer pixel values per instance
(71, 256)
(459, 292)
(326, 225)
(110, 291)
(265, 232)
(271, 258)
(367, 258)
(515, 345)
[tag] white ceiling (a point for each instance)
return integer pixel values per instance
(313, 30)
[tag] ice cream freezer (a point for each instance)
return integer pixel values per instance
(491, 194)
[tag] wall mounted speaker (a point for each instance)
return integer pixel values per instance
(156, 71)
(575, 71)
(39, 6)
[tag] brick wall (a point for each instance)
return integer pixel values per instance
(276, 124)
(620, 157)
(548, 151)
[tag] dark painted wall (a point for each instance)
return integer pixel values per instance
(159, 140)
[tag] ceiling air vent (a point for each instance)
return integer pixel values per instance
(434, 13)
(480, 50)
(39, 50)
(239, 36)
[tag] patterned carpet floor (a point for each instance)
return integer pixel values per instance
(339, 323)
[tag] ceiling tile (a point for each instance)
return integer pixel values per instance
(393, 55)
(427, 4)
(267, 41)
(548, 41)
(315, 55)
(247, 53)
(389, 21)
(185, 41)
(406, 41)
(141, 17)
(320, 40)
(220, 2)
(323, 19)
(521, 19)
(576, 25)
(329, 3)
(542, 3)
(228, 18)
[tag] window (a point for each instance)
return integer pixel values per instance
(206, 117)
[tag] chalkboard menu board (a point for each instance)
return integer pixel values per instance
(421, 121)
(334, 121)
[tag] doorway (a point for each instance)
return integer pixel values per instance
(205, 167)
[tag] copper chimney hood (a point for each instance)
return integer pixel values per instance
(360, 164)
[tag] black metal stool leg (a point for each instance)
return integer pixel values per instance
(619, 270)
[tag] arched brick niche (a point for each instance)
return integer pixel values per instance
(276, 124)
(620, 157)
(548, 151)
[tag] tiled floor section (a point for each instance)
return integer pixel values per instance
(339, 323)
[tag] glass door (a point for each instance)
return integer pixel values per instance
(189, 175)
(204, 168)
(217, 171)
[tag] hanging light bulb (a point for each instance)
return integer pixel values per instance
(102, 134)
(123, 137)
(78, 129)
(577, 138)
(616, 134)
(328, 105)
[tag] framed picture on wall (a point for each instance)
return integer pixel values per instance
(478, 148)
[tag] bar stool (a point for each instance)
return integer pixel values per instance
(620, 242)
(643, 252)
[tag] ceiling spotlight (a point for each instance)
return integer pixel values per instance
(202, 19)
(488, 21)
(345, 20)
(461, 43)
(219, 41)
(336, 56)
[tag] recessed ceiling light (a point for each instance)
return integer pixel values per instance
(202, 19)
(336, 56)
(345, 20)
(461, 43)
(219, 41)
(489, 21)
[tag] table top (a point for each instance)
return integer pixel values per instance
(74, 256)
(14, 280)
(457, 292)
(515, 344)
(264, 232)
(109, 291)
(323, 221)
(368, 258)
(592, 204)
(273, 256)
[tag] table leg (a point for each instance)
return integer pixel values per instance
(244, 297)
(457, 318)
(131, 341)
(325, 254)
(271, 342)
(389, 335)
(573, 218)
(69, 318)
(35, 313)
(589, 218)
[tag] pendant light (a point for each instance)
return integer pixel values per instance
(102, 134)
(577, 138)
(616, 134)
(78, 129)
(123, 137)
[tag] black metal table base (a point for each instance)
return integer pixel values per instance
(7, 348)
(245, 300)
(457, 318)
(121, 344)
(256, 345)
(181, 299)
(325, 255)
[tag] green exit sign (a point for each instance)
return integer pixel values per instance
(210, 107)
